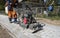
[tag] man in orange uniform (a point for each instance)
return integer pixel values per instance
(11, 13)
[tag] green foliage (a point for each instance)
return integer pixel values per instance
(51, 14)
(2, 5)
(41, 15)
(48, 17)
(59, 14)
(54, 18)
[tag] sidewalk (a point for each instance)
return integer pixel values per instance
(49, 31)
(14, 29)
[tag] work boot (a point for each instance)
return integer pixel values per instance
(15, 19)
(10, 19)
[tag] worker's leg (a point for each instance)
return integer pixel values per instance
(14, 16)
(10, 16)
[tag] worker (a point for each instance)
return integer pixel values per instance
(11, 13)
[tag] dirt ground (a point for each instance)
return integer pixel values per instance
(4, 33)
(54, 22)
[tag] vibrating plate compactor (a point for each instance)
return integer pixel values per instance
(29, 22)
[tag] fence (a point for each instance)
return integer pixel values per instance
(34, 10)
(39, 10)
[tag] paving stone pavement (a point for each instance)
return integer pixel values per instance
(49, 31)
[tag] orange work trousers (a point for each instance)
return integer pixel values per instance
(12, 14)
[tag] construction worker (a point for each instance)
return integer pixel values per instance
(11, 13)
